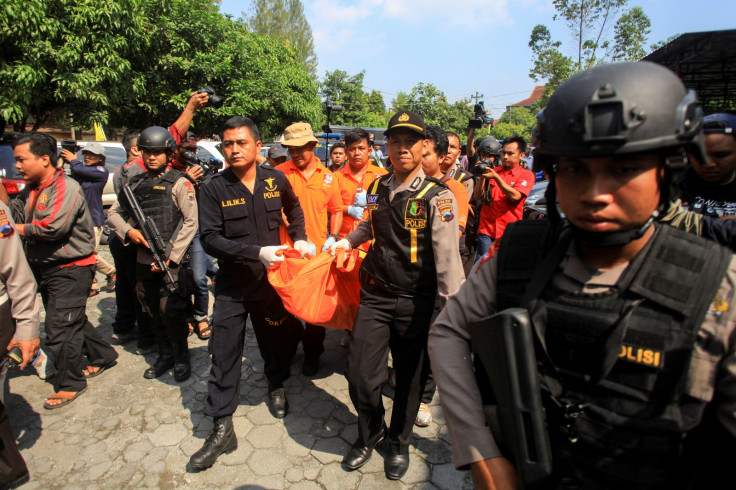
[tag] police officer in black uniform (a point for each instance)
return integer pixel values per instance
(413, 257)
(240, 214)
(167, 197)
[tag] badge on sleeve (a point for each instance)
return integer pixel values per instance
(6, 229)
(444, 207)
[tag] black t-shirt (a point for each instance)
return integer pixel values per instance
(706, 198)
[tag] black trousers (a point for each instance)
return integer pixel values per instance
(129, 311)
(12, 464)
(277, 333)
(167, 313)
(69, 334)
(313, 339)
(401, 324)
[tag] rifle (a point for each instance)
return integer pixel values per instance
(156, 244)
(505, 347)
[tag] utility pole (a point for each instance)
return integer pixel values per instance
(477, 96)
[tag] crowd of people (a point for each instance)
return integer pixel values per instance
(627, 283)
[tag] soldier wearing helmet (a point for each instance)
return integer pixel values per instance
(632, 323)
(168, 198)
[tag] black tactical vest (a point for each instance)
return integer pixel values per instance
(401, 260)
(613, 365)
(154, 198)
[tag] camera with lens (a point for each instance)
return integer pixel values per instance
(72, 146)
(209, 166)
(480, 116)
(484, 166)
(213, 99)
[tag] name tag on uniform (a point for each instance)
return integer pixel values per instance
(415, 215)
(641, 355)
(159, 188)
(232, 202)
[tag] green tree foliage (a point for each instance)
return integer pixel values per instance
(285, 20)
(134, 63)
(430, 102)
(590, 23)
(630, 34)
(358, 107)
(660, 44)
(519, 120)
(64, 56)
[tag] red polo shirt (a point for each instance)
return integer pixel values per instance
(495, 216)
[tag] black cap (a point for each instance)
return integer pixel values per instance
(408, 120)
(274, 153)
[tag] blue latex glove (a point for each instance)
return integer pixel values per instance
(328, 243)
(356, 212)
(312, 249)
(361, 199)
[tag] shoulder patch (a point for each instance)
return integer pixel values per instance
(444, 207)
(6, 229)
(327, 179)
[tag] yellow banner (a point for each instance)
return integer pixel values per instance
(99, 132)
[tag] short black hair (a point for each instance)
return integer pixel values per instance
(40, 144)
(438, 138)
(337, 145)
(236, 122)
(356, 135)
(519, 140)
(130, 139)
(452, 133)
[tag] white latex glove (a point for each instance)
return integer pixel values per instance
(361, 199)
(343, 243)
(356, 212)
(328, 243)
(302, 247)
(268, 256)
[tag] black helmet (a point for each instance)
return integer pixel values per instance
(489, 146)
(620, 108)
(156, 138)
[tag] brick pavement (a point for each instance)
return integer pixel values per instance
(127, 431)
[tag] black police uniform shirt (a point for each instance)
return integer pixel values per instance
(234, 224)
(706, 198)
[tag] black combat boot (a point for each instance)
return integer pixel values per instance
(182, 365)
(164, 362)
(222, 439)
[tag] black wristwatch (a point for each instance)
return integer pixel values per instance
(335, 236)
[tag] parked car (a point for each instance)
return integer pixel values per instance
(535, 206)
(11, 178)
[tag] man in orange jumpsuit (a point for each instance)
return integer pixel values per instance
(318, 194)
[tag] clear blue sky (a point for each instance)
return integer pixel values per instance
(468, 46)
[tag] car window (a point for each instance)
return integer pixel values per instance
(204, 154)
(7, 163)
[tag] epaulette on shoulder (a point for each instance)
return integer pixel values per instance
(436, 181)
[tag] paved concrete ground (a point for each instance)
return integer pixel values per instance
(127, 431)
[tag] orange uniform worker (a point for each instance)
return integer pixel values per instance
(354, 179)
(318, 193)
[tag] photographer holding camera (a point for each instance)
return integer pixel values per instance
(503, 187)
